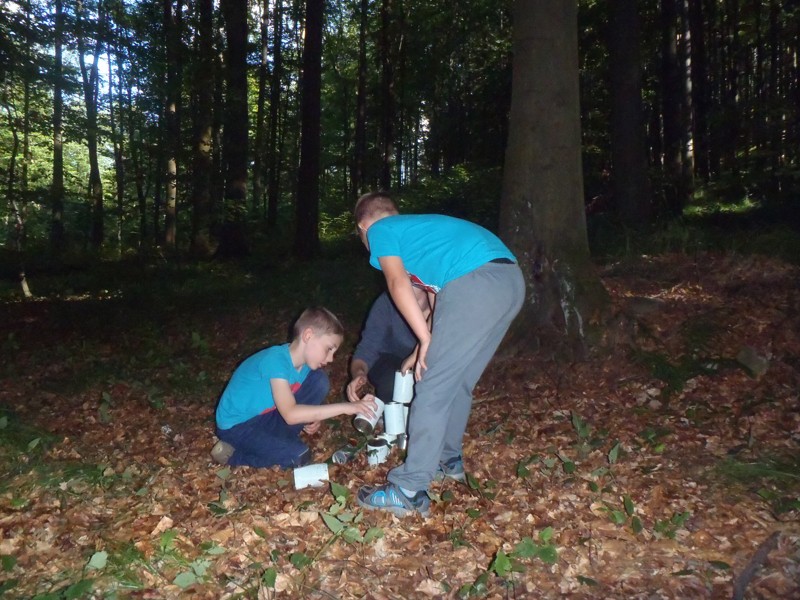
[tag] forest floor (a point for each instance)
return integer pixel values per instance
(665, 466)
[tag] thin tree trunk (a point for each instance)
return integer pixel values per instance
(360, 140)
(202, 198)
(258, 150)
(274, 149)
(700, 100)
(306, 240)
(117, 137)
(387, 94)
(57, 187)
(172, 29)
(628, 146)
(671, 103)
(90, 92)
(11, 194)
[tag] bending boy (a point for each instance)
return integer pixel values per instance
(278, 392)
(479, 290)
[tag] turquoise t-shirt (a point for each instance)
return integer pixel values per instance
(435, 249)
(249, 393)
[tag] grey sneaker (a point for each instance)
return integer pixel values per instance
(222, 452)
(452, 468)
(390, 498)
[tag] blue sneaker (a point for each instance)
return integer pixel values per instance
(390, 498)
(452, 468)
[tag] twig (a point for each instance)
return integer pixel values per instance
(755, 563)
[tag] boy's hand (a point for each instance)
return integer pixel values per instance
(365, 407)
(354, 386)
(312, 427)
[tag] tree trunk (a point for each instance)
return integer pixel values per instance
(700, 99)
(90, 91)
(202, 164)
(258, 149)
(172, 31)
(306, 240)
(542, 212)
(19, 221)
(671, 102)
(274, 150)
(117, 137)
(360, 139)
(632, 195)
(233, 242)
(57, 187)
(387, 94)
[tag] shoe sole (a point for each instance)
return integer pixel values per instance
(221, 453)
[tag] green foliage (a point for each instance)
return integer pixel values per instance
(775, 479)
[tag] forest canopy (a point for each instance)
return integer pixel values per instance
(198, 127)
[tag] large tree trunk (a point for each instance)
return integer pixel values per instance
(57, 187)
(542, 214)
(117, 138)
(233, 241)
(700, 98)
(306, 240)
(671, 102)
(632, 195)
(200, 245)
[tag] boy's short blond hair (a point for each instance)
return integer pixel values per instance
(374, 204)
(320, 320)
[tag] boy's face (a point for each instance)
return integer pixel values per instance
(320, 349)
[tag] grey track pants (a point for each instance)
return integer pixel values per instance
(471, 316)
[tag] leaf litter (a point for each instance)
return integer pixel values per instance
(594, 480)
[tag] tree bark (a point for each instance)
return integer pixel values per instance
(306, 241)
(202, 164)
(57, 186)
(632, 194)
(274, 149)
(542, 215)
(360, 136)
(387, 93)
(172, 30)
(258, 148)
(671, 102)
(233, 242)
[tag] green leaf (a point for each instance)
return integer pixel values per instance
(522, 470)
(569, 467)
(526, 548)
(636, 525)
(501, 564)
(683, 573)
(373, 533)
(628, 503)
(260, 533)
(185, 579)
(200, 566)
(339, 491)
(593, 487)
(546, 534)
(586, 580)
(78, 590)
(167, 539)
(98, 560)
(718, 564)
(472, 482)
(447, 496)
(224, 473)
(33, 443)
(548, 554)
(3, 422)
(473, 513)
(8, 561)
(269, 577)
(618, 517)
(613, 454)
(352, 535)
(334, 524)
(300, 560)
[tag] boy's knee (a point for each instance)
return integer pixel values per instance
(314, 389)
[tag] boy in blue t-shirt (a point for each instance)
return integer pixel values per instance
(475, 289)
(278, 392)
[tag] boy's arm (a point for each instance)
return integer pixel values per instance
(403, 295)
(295, 414)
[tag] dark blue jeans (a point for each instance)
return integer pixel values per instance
(381, 375)
(268, 440)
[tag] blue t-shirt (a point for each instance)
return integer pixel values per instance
(249, 393)
(435, 249)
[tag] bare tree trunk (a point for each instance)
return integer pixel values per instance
(387, 94)
(700, 99)
(90, 91)
(57, 187)
(11, 194)
(306, 240)
(202, 198)
(117, 139)
(360, 141)
(274, 149)
(258, 150)
(671, 102)
(542, 212)
(173, 20)
(628, 145)
(234, 240)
